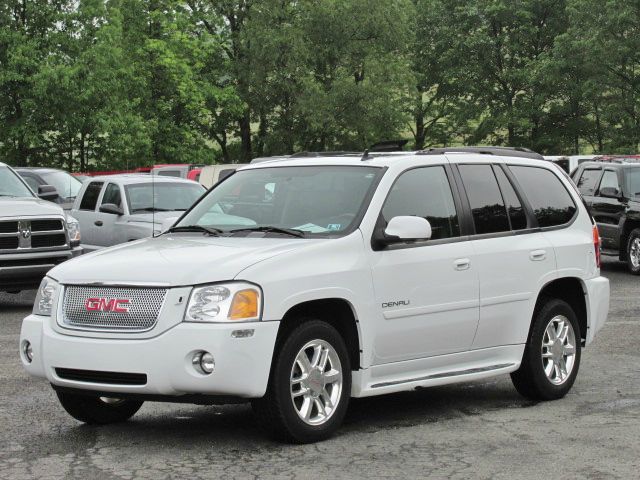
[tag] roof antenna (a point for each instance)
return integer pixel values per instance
(365, 155)
(153, 205)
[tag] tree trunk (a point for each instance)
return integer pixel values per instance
(418, 115)
(82, 152)
(245, 136)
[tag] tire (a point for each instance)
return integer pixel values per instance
(633, 252)
(540, 376)
(96, 411)
(279, 412)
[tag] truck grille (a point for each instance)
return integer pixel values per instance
(32, 234)
(116, 309)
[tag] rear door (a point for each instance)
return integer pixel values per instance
(510, 255)
(608, 212)
(85, 212)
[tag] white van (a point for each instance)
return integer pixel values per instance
(212, 174)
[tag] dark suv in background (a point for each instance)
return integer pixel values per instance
(611, 190)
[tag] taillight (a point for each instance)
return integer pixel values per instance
(596, 244)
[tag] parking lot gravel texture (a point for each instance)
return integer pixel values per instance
(481, 430)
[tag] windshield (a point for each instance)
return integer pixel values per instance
(11, 185)
(324, 200)
(632, 180)
(66, 185)
(147, 197)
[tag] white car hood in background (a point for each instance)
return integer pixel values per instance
(27, 207)
(174, 260)
(158, 217)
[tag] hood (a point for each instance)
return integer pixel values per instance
(175, 260)
(158, 217)
(27, 207)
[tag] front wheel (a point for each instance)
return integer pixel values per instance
(633, 252)
(98, 410)
(309, 386)
(552, 355)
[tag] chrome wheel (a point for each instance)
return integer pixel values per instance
(634, 252)
(558, 349)
(316, 382)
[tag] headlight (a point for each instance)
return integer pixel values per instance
(73, 228)
(45, 297)
(230, 302)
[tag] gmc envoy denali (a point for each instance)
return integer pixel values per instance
(298, 283)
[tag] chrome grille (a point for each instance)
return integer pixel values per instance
(144, 308)
(32, 234)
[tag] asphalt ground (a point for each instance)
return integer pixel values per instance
(471, 430)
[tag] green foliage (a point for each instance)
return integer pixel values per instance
(105, 84)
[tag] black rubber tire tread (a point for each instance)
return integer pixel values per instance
(635, 233)
(93, 411)
(530, 380)
(275, 412)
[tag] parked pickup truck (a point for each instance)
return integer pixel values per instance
(35, 234)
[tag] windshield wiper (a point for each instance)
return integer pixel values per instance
(196, 228)
(268, 229)
(152, 209)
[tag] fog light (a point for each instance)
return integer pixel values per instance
(27, 351)
(203, 362)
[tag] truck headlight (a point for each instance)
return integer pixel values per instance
(73, 229)
(45, 297)
(229, 302)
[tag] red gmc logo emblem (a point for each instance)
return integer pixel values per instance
(115, 305)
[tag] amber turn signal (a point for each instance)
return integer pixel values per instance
(245, 305)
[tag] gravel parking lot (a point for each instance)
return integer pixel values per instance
(473, 430)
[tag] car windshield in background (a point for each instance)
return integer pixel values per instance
(66, 185)
(162, 196)
(11, 185)
(323, 200)
(632, 179)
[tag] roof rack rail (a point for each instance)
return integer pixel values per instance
(388, 146)
(488, 150)
(338, 153)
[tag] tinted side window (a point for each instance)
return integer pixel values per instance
(90, 197)
(112, 195)
(550, 200)
(487, 205)
(517, 215)
(610, 180)
(424, 192)
(588, 181)
(170, 173)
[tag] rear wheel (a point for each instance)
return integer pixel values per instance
(633, 252)
(309, 386)
(98, 410)
(552, 355)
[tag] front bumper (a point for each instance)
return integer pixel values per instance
(242, 365)
(22, 271)
(597, 291)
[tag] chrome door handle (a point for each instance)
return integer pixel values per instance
(462, 264)
(537, 255)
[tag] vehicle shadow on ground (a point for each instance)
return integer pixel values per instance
(229, 425)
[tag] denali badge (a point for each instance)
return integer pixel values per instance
(115, 305)
(399, 303)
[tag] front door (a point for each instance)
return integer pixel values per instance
(607, 212)
(427, 292)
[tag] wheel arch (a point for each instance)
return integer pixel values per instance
(629, 225)
(337, 312)
(573, 291)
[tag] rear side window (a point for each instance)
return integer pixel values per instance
(424, 192)
(90, 197)
(517, 215)
(112, 195)
(588, 181)
(487, 206)
(550, 200)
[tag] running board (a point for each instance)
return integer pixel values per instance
(435, 376)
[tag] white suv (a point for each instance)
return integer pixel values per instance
(299, 283)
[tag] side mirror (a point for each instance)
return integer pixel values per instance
(167, 223)
(610, 192)
(47, 192)
(111, 208)
(406, 228)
